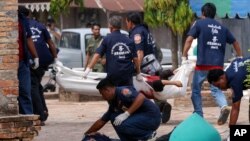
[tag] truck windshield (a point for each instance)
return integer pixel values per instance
(70, 40)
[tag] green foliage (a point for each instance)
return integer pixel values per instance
(175, 14)
(62, 6)
(247, 80)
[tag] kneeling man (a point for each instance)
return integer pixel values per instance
(133, 116)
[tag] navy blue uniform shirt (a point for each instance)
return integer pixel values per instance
(212, 39)
(40, 36)
(236, 75)
(123, 99)
(119, 51)
(143, 39)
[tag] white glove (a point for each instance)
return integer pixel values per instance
(86, 72)
(119, 119)
(234, 58)
(83, 136)
(139, 77)
(56, 63)
(36, 63)
(183, 60)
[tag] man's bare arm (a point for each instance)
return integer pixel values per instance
(234, 113)
(169, 82)
(136, 104)
(237, 48)
(140, 55)
(94, 60)
(32, 47)
(137, 65)
(96, 126)
(86, 60)
(187, 45)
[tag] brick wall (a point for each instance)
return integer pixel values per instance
(19, 128)
(13, 127)
(8, 57)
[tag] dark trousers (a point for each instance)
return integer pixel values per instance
(122, 82)
(39, 105)
(136, 127)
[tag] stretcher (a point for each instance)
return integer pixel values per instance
(72, 80)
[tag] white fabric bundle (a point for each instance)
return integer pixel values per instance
(181, 74)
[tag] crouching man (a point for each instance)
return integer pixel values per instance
(133, 116)
(234, 78)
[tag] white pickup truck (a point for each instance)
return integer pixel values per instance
(73, 44)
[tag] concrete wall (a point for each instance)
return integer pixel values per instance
(238, 27)
(78, 17)
(8, 57)
(162, 35)
(241, 31)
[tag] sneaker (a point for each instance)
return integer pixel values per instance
(224, 113)
(166, 112)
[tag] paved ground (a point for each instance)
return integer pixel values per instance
(68, 120)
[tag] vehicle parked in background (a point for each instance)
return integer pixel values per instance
(166, 56)
(73, 44)
(74, 41)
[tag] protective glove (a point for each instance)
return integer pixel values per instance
(239, 57)
(36, 63)
(56, 63)
(139, 77)
(119, 119)
(86, 72)
(83, 137)
(183, 60)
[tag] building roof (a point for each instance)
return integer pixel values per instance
(35, 4)
(90, 4)
(32, 1)
(106, 5)
(115, 5)
(225, 8)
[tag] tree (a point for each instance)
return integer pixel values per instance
(62, 6)
(175, 14)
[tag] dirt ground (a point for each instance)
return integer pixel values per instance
(69, 120)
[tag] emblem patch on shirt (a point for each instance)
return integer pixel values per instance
(137, 38)
(126, 92)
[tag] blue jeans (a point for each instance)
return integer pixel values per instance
(24, 98)
(198, 79)
(136, 127)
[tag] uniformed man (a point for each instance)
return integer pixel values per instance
(234, 77)
(121, 57)
(144, 43)
(92, 44)
(26, 47)
(133, 116)
(47, 55)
